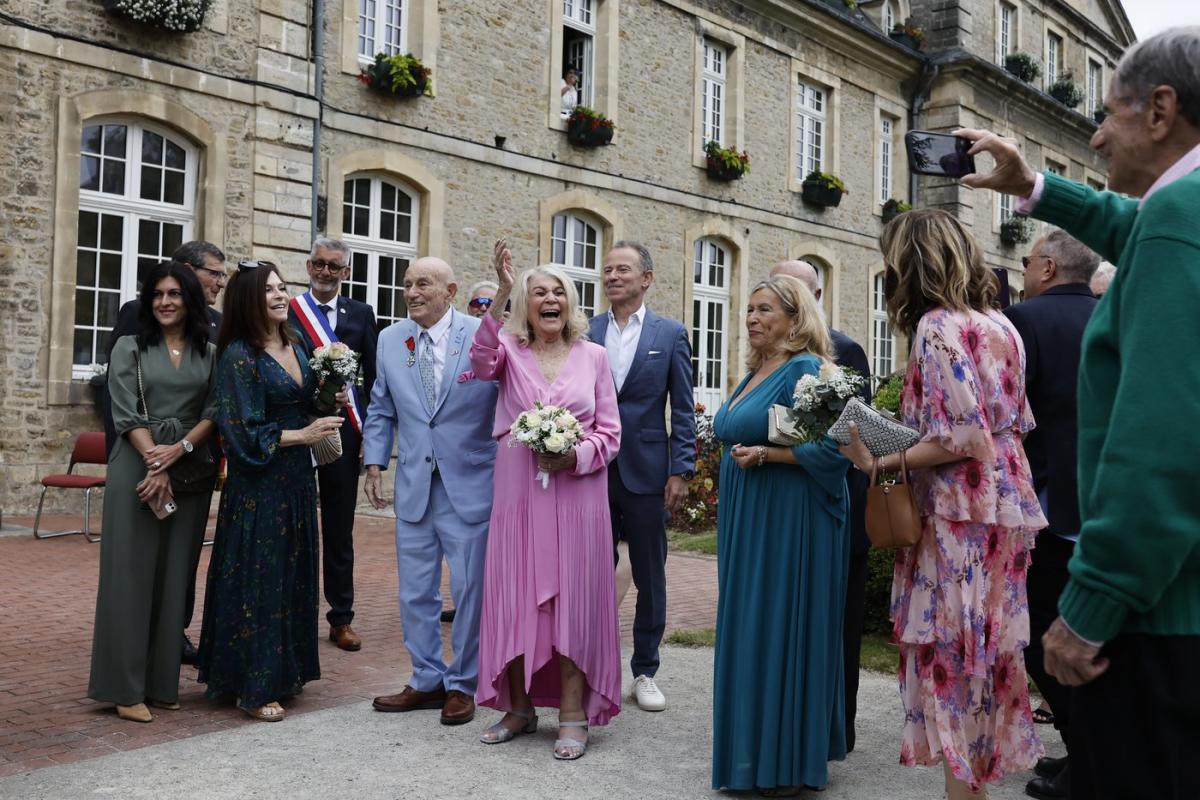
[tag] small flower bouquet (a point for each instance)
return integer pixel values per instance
(546, 430)
(335, 365)
(817, 402)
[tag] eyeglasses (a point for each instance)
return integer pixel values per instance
(217, 274)
(481, 302)
(1025, 260)
(248, 264)
(331, 266)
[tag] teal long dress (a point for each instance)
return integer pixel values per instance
(783, 553)
(259, 638)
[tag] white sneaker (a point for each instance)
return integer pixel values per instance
(648, 697)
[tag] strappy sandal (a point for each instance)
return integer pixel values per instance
(271, 712)
(573, 747)
(501, 733)
(1043, 716)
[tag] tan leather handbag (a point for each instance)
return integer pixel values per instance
(893, 519)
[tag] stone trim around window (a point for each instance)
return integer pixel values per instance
(605, 70)
(739, 251)
(422, 38)
(735, 70)
(816, 252)
(606, 216)
(801, 71)
(73, 113)
(899, 158)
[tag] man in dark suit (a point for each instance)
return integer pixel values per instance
(651, 362)
(321, 316)
(208, 262)
(1058, 304)
(847, 353)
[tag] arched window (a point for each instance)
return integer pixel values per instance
(137, 193)
(883, 343)
(575, 246)
(712, 267)
(380, 224)
(890, 15)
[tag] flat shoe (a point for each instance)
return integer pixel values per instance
(135, 713)
(781, 791)
(271, 712)
(501, 733)
(163, 704)
(570, 745)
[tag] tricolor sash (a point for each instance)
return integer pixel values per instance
(316, 325)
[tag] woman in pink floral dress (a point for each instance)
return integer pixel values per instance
(958, 597)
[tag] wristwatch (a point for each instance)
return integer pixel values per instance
(187, 446)
(687, 474)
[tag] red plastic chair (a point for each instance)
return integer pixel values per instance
(89, 449)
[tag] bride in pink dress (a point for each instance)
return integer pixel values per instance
(548, 633)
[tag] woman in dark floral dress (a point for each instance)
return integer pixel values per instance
(259, 639)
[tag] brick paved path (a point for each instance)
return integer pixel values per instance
(47, 602)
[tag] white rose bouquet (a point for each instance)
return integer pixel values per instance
(546, 430)
(335, 366)
(818, 400)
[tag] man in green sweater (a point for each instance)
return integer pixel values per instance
(1128, 633)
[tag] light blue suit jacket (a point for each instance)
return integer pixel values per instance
(457, 431)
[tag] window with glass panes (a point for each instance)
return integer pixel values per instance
(1095, 86)
(711, 277)
(575, 246)
(1054, 56)
(579, 44)
(137, 188)
(1006, 35)
(712, 108)
(810, 129)
(883, 346)
(382, 27)
(887, 132)
(889, 15)
(380, 224)
(1004, 207)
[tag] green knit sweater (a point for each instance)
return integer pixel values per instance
(1137, 566)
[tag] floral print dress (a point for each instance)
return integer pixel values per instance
(959, 609)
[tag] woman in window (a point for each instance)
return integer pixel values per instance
(259, 639)
(569, 91)
(548, 630)
(958, 596)
(783, 555)
(160, 382)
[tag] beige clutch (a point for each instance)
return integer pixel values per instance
(781, 426)
(328, 449)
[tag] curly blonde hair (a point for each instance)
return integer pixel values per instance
(807, 332)
(575, 324)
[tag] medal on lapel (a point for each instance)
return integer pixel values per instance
(412, 350)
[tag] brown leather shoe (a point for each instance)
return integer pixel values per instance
(411, 700)
(459, 708)
(345, 637)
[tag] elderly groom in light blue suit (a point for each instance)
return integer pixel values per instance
(425, 391)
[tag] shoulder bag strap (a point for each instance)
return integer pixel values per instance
(143, 409)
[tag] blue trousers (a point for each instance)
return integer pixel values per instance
(641, 521)
(419, 550)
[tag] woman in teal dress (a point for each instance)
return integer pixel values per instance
(783, 554)
(259, 638)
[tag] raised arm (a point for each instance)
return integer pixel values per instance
(487, 353)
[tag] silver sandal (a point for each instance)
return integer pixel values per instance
(500, 733)
(571, 744)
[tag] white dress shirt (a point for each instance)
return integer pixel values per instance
(622, 344)
(331, 315)
(439, 333)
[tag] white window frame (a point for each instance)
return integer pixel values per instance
(1006, 31)
(1095, 85)
(889, 15)
(714, 95)
(373, 246)
(887, 153)
(1004, 209)
(1055, 57)
(572, 237)
(709, 363)
(377, 14)
(580, 16)
(810, 128)
(883, 340)
(131, 209)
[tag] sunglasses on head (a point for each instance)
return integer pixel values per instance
(481, 302)
(249, 264)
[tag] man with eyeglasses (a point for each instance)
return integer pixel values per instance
(323, 316)
(208, 262)
(481, 296)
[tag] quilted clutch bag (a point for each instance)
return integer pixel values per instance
(881, 432)
(781, 426)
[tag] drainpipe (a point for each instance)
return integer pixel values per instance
(925, 79)
(318, 21)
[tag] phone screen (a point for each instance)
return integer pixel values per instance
(938, 154)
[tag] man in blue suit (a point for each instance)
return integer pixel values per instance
(651, 362)
(426, 392)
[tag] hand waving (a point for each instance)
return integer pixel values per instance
(502, 262)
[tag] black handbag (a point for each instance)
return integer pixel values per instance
(195, 472)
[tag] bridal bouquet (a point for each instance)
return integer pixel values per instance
(335, 366)
(818, 400)
(546, 430)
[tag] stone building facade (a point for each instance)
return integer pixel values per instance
(120, 139)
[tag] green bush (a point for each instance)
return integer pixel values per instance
(699, 513)
(879, 592)
(887, 394)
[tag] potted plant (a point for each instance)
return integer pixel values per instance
(589, 128)
(725, 163)
(822, 189)
(1098, 115)
(1065, 91)
(894, 208)
(908, 34)
(1023, 66)
(183, 16)
(1016, 230)
(397, 74)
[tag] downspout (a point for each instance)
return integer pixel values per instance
(926, 77)
(318, 18)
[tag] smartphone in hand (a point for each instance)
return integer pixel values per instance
(938, 154)
(165, 510)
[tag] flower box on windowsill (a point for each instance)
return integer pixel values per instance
(1065, 91)
(1016, 230)
(822, 190)
(892, 209)
(398, 75)
(1023, 66)
(725, 163)
(179, 16)
(588, 128)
